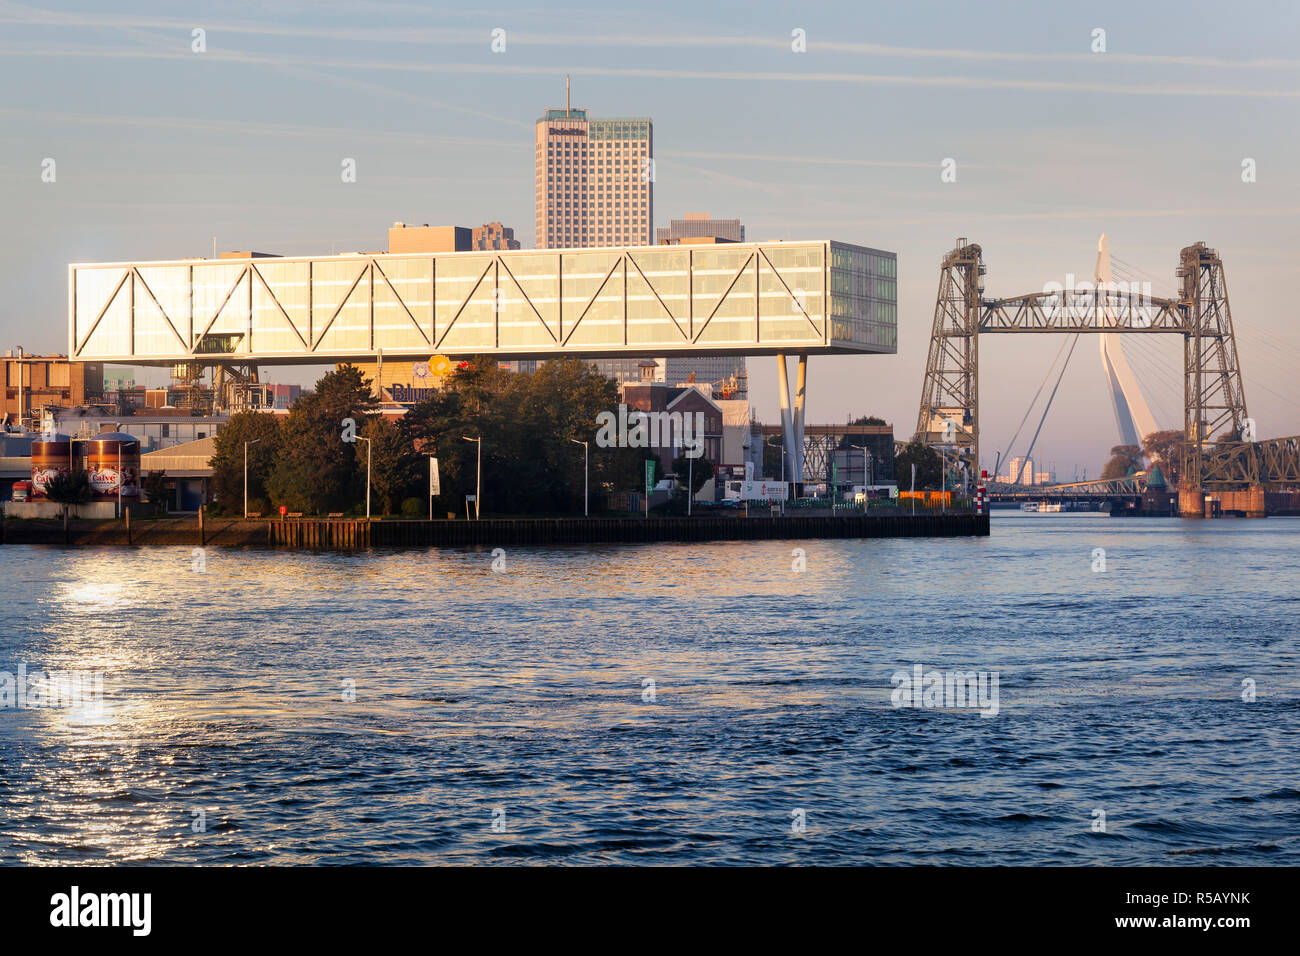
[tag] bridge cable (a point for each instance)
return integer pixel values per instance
(1029, 455)
(1012, 444)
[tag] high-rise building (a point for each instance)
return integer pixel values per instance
(493, 235)
(698, 225)
(595, 180)
(726, 373)
(1020, 471)
(631, 371)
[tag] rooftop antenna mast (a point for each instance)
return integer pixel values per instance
(566, 93)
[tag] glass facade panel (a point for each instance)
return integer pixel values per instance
(601, 322)
(530, 301)
(93, 288)
(726, 308)
(220, 307)
(275, 330)
(403, 302)
(169, 285)
(790, 288)
(466, 320)
(863, 307)
(341, 305)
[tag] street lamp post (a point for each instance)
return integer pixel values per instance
(870, 473)
(246, 444)
(368, 446)
(943, 481)
(690, 484)
(585, 474)
(478, 481)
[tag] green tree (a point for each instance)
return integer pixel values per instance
(470, 404)
(227, 462)
(1123, 460)
(698, 471)
(315, 468)
(868, 420)
(928, 467)
(1166, 449)
(527, 422)
(394, 466)
(559, 404)
(68, 488)
(154, 485)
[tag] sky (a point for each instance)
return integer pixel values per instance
(159, 148)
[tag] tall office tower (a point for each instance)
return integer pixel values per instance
(698, 225)
(595, 180)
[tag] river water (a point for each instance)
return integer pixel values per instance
(672, 703)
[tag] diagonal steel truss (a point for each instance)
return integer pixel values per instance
(629, 284)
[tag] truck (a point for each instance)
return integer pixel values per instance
(757, 490)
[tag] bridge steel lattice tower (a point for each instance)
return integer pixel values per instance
(1214, 400)
(950, 393)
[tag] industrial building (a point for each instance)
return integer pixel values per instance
(34, 382)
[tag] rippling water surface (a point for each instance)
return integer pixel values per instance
(502, 716)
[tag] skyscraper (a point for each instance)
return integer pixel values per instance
(594, 179)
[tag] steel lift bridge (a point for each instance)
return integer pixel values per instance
(1214, 400)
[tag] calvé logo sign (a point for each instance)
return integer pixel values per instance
(104, 481)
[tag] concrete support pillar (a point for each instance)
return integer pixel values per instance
(1256, 504)
(787, 425)
(801, 383)
(1191, 503)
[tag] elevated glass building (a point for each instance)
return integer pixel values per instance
(743, 299)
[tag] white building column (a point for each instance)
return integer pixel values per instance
(787, 426)
(797, 440)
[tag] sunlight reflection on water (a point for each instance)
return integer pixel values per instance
(227, 691)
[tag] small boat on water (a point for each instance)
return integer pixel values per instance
(1041, 507)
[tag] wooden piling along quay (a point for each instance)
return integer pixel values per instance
(356, 533)
(321, 533)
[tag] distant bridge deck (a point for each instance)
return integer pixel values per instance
(1131, 486)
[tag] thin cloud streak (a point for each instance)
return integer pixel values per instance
(255, 129)
(883, 79)
(425, 36)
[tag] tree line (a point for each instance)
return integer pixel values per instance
(527, 422)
